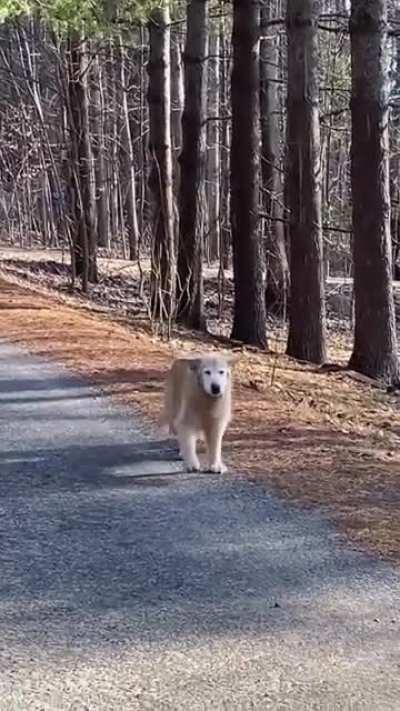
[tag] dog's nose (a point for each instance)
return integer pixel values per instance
(215, 389)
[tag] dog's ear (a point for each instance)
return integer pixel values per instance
(231, 358)
(194, 364)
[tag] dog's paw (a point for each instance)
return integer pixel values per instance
(193, 466)
(217, 468)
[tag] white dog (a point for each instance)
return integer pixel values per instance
(198, 406)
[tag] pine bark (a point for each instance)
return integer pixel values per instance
(224, 186)
(277, 278)
(190, 307)
(395, 155)
(159, 99)
(113, 142)
(307, 323)
(375, 343)
(128, 164)
(177, 100)
(249, 320)
(99, 153)
(213, 147)
(82, 184)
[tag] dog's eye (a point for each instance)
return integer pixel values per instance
(207, 372)
(222, 372)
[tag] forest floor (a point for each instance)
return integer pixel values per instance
(322, 437)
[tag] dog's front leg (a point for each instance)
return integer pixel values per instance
(214, 438)
(187, 447)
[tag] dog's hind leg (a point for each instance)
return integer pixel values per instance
(187, 445)
(214, 446)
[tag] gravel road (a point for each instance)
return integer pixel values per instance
(128, 584)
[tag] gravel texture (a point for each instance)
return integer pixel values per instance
(126, 583)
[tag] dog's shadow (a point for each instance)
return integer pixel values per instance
(150, 463)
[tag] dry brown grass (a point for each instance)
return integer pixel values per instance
(317, 437)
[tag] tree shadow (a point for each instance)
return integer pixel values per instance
(89, 538)
(106, 542)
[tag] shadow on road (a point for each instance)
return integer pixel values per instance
(103, 542)
(94, 557)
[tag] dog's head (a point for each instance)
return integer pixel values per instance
(213, 374)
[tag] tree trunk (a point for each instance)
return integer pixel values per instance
(272, 197)
(163, 273)
(213, 148)
(249, 321)
(224, 185)
(192, 162)
(129, 189)
(395, 155)
(307, 328)
(27, 40)
(139, 125)
(84, 243)
(100, 167)
(113, 131)
(375, 346)
(177, 99)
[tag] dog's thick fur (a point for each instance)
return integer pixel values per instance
(198, 406)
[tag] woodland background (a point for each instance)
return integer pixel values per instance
(243, 157)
